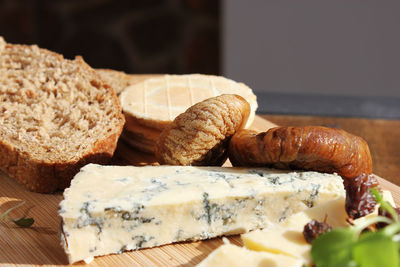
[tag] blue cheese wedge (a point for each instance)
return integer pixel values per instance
(112, 209)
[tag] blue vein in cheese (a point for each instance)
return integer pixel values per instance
(111, 209)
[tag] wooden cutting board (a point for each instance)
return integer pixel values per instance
(40, 244)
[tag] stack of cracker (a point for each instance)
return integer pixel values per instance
(151, 105)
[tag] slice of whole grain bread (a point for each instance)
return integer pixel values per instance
(56, 115)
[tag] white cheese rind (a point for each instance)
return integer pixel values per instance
(111, 209)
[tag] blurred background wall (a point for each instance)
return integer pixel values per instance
(317, 57)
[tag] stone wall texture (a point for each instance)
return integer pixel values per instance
(135, 36)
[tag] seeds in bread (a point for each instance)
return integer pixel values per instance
(156, 102)
(56, 116)
(200, 135)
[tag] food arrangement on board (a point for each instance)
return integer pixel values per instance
(61, 122)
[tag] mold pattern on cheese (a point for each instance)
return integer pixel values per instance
(112, 209)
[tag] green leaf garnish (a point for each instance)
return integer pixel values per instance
(333, 248)
(351, 246)
(376, 249)
(384, 205)
(22, 222)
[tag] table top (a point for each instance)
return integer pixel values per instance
(40, 244)
(382, 136)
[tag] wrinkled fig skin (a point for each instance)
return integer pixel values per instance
(310, 148)
(359, 200)
(200, 136)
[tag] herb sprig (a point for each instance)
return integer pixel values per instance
(22, 221)
(352, 246)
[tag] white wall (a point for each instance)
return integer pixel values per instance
(339, 47)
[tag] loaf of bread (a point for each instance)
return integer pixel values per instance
(56, 116)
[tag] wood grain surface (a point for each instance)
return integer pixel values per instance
(40, 244)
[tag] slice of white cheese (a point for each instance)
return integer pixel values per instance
(229, 255)
(111, 209)
(287, 237)
(387, 196)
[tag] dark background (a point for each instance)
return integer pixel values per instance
(151, 36)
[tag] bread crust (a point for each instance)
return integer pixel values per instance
(311, 148)
(46, 175)
(200, 135)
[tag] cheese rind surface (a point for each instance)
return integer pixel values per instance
(111, 209)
